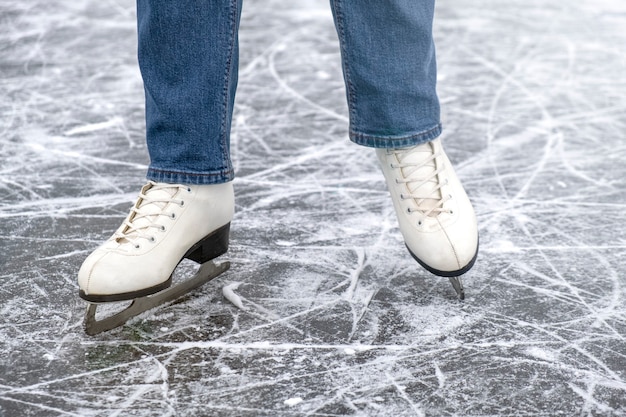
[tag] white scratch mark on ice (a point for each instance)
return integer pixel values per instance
(441, 378)
(94, 127)
(293, 401)
(402, 391)
(590, 401)
(230, 295)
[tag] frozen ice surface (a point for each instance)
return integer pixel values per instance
(336, 318)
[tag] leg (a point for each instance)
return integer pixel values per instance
(188, 55)
(390, 73)
(188, 60)
(389, 68)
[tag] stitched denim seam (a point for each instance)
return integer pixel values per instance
(225, 172)
(350, 91)
(227, 110)
(397, 141)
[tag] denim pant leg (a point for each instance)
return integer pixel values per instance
(188, 56)
(389, 69)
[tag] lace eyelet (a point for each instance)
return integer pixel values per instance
(188, 189)
(137, 246)
(152, 239)
(408, 210)
(451, 212)
(182, 203)
(162, 228)
(419, 222)
(173, 216)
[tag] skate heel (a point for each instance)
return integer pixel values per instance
(211, 246)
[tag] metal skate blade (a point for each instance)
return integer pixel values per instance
(207, 272)
(457, 283)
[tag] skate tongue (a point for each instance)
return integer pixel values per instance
(421, 170)
(148, 209)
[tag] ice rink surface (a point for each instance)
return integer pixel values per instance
(325, 314)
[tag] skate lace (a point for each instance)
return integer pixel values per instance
(421, 174)
(151, 205)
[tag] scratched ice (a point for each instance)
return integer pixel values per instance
(323, 313)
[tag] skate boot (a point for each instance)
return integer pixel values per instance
(435, 215)
(169, 222)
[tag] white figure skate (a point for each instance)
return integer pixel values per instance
(435, 215)
(168, 223)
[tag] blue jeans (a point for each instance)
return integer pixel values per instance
(188, 56)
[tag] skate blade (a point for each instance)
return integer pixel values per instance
(207, 272)
(457, 283)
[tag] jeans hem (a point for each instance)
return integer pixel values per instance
(374, 141)
(189, 178)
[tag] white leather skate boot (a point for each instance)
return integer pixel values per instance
(436, 217)
(168, 222)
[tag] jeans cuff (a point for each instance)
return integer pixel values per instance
(404, 141)
(189, 178)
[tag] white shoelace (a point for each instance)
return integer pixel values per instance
(420, 173)
(150, 206)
